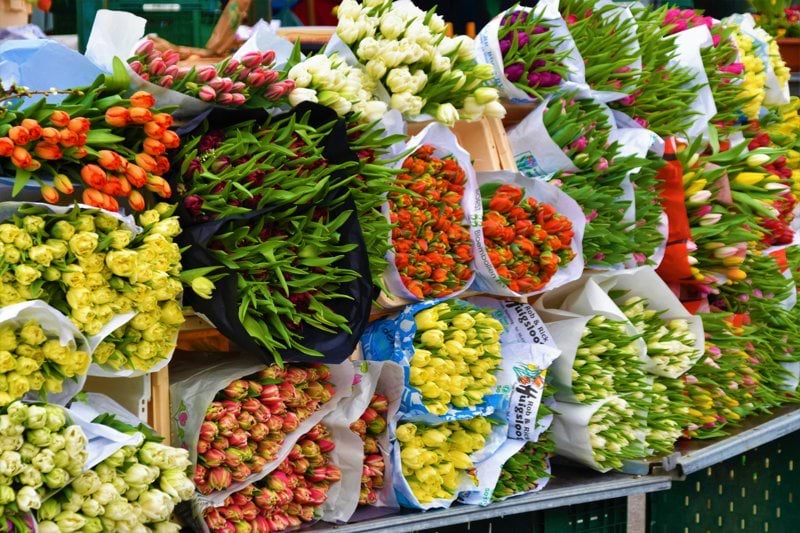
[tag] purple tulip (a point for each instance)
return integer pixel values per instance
(550, 79)
(522, 39)
(535, 79)
(520, 16)
(515, 71)
(538, 63)
(539, 29)
(505, 46)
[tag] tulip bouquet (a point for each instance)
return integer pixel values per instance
(614, 65)
(456, 354)
(527, 242)
(755, 75)
(245, 82)
(671, 345)
(725, 76)
(435, 459)
(113, 146)
(247, 423)
(580, 129)
(370, 426)
(289, 496)
(535, 58)
(431, 239)
(40, 452)
(135, 486)
(425, 72)
(647, 234)
(602, 435)
(667, 416)
(39, 350)
(329, 80)
(665, 90)
(93, 266)
(525, 470)
(678, 20)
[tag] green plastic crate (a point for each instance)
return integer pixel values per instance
(605, 516)
(184, 23)
(753, 492)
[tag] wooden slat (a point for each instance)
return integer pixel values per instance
(158, 409)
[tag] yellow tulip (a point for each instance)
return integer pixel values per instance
(750, 178)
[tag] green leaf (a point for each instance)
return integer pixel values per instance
(20, 180)
(119, 80)
(103, 136)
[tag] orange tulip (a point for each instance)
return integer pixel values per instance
(21, 157)
(109, 160)
(154, 130)
(143, 99)
(93, 197)
(171, 139)
(69, 138)
(79, 152)
(153, 147)
(136, 201)
(147, 162)
(33, 127)
(163, 119)
(117, 117)
(47, 151)
(162, 165)
(6, 146)
(19, 135)
(94, 176)
(136, 175)
(51, 135)
(63, 184)
(59, 119)
(34, 166)
(112, 187)
(124, 186)
(140, 115)
(79, 125)
(110, 203)
(49, 194)
(159, 186)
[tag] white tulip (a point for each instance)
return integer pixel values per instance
(376, 69)
(27, 499)
(440, 63)
(348, 9)
(465, 45)
(367, 49)
(419, 79)
(348, 31)
(302, 95)
(342, 107)
(471, 109)
(459, 77)
(447, 114)
(392, 26)
(412, 52)
(436, 24)
(374, 3)
(300, 75)
(407, 103)
(484, 95)
(391, 55)
(408, 11)
(373, 110)
(419, 32)
(447, 46)
(400, 80)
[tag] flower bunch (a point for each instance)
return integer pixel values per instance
(667, 416)
(612, 434)
(406, 50)
(121, 160)
(40, 451)
(370, 426)
(250, 166)
(456, 354)
(92, 268)
(670, 343)
(136, 486)
(606, 359)
(725, 76)
(526, 468)
(294, 288)
(249, 420)
(664, 92)
(330, 81)
(289, 496)
(580, 128)
(755, 75)
(645, 234)
(608, 65)
(431, 240)
(249, 82)
(433, 459)
(678, 20)
(782, 72)
(32, 360)
(527, 241)
(530, 59)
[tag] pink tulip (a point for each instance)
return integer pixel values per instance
(207, 94)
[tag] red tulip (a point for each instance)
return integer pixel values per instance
(34, 129)
(21, 158)
(220, 443)
(275, 424)
(19, 135)
(241, 473)
(47, 151)
(379, 403)
(278, 481)
(231, 512)
(238, 438)
(296, 375)
(257, 463)
(219, 478)
(79, 125)
(326, 445)
(213, 457)
(233, 407)
(287, 391)
(214, 519)
(203, 446)
(249, 511)
(227, 424)
(285, 496)
(6, 146)
(260, 525)
(290, 422)
(299, 466)
(270, 374)
(208, 430)
(269, 393)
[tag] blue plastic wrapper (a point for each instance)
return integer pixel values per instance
(392, 339)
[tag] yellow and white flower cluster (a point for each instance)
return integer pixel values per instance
(782, 72)
(406, 50)
(755, 75)
(333, 83)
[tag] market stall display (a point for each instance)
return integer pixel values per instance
(405, 331)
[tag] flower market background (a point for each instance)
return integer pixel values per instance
(384, 266)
